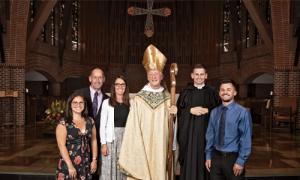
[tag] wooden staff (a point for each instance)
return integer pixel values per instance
(173, 73)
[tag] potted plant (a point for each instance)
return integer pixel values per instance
(54, 113)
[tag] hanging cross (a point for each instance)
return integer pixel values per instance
(149, 26)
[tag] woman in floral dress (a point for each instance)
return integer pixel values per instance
(74, 134)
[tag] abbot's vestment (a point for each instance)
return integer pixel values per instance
(145, 142)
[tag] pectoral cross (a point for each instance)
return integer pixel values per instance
(149, 26)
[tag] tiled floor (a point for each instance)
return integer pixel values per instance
(274, 154)
(29, 152)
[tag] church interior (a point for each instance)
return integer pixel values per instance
(48, 47)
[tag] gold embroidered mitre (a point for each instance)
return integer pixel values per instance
(154, 59)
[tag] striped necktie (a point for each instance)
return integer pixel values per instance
(95, 104)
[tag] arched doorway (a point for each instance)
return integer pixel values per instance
(36, 83)
(260, 86)
(36, 97)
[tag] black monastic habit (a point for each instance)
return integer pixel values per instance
(192, 129)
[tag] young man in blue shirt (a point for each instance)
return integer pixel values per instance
(228, 136)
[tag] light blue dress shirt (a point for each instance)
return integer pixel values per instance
(238, 132)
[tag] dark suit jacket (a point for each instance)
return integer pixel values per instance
(87, 94)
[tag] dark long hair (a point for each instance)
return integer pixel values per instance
(68, 112)
(113, 98)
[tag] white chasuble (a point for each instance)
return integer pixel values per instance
(145, 142)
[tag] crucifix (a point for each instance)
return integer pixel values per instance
(149, 26)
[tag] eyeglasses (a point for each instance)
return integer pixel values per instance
(75, 103)
(120, 84)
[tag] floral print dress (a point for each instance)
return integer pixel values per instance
(78, 146)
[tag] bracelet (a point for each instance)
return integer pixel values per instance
(94, 158)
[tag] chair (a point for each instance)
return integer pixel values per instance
(284, 115)
(288, 102)
(285, 101)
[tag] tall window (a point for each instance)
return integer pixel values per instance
(32, 10)
(250, 34)
(75, 25)
(226, 26)
(52, 27)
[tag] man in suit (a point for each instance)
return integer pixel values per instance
(94, 97)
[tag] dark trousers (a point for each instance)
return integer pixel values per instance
(222, 167)
(95, 177)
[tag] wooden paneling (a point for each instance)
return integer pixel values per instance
(191, 34)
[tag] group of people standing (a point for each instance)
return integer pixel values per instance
(122, 138)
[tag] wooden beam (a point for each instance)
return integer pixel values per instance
(63, 30)
(40, 19)
(261, 24)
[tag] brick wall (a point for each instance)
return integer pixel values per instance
(281, 78)
(286, 76)
(256, 60)
(12, 78)
(17, 32)
(12, 73)
(281, 33)
(294, 83)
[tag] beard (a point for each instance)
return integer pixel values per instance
(224, 99)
